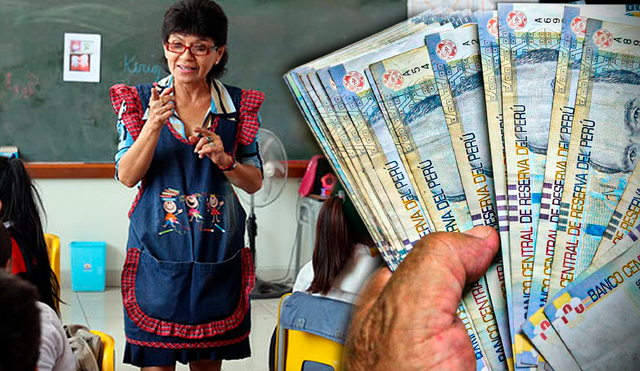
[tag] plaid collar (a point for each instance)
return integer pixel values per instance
(220, 102)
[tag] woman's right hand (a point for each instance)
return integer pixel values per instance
(160, 108)
(135, 162)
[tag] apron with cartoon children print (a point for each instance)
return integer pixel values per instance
(187, 275)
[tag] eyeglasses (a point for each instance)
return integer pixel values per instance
(197, 49)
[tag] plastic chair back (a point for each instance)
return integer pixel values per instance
(108, 351)
(53, 248)
(300, 350)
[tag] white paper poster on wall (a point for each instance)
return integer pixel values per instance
(418, 6)
(81, 57)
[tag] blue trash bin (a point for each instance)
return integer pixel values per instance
(88, 262)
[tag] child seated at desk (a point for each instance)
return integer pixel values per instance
(342, 256)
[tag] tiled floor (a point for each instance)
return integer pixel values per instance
(103, 311)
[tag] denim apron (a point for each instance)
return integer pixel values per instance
(187, 275)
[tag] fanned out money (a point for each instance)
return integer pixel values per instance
(525, 119)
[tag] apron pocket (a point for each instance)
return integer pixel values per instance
(188, 292)
(216, 289)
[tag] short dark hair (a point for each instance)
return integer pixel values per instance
(19, 324)
(203, 18)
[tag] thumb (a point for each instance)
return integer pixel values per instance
(442, 264)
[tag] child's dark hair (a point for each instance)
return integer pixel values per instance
(21, 205)
(338, 230)
(202, 18)
(19, 324)
(5, 246)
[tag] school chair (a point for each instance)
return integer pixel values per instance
(310, 334)
(108, 351)
(53, 249)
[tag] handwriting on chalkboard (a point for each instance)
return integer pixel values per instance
(131, 66)
(19, 88)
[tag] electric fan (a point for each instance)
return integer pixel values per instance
(275, 170)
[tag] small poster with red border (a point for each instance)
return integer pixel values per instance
(81, 57)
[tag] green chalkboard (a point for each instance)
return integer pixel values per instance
(51, 120)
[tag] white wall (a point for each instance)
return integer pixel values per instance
(96, 210)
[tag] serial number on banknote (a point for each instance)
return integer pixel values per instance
(627, 41)
(548, 20)
(416, 70)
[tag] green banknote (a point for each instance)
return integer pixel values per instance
(529, 36)
(565, 86)
(603, 145)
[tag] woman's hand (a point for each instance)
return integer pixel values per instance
(210, 145)
(160, 108)
(135, 162)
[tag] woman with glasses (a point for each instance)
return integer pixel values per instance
(184, 141)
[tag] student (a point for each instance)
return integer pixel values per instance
(19, 213)
(55, 353)
(342, 259)
(19, 325)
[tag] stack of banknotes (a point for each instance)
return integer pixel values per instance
(526, 119)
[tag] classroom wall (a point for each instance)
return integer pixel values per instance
(96, 210)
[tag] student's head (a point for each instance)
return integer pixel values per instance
(19, 324)
(204, 23)
(20, 206)
(338, 230)
(18, 195)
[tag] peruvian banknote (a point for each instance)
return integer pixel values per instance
(367, 126)
(490, 58)
(481, 360)
(408, 91)
(457, 69)
(603, 145)
(625, 218)
(565, 86)
(598, 318)
(328, 119)
(529, 36)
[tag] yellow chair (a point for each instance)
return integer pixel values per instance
(294, 348)
(53, 248)
(108, 350)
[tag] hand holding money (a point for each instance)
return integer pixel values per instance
(409, 318)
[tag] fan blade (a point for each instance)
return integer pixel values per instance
(266, 143)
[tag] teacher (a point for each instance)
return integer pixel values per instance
(184, 141)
